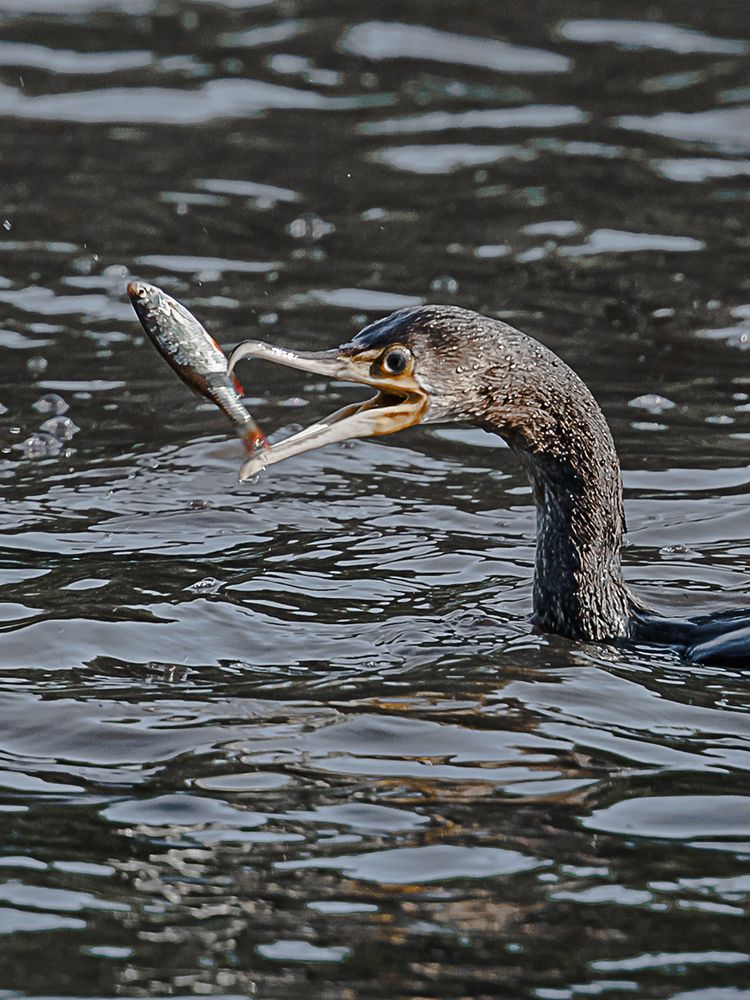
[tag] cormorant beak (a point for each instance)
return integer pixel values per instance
(399, 402)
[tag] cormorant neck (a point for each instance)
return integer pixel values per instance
(578, 586)
(547, 414)
(483, 370)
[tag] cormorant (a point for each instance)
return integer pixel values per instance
(442, 364)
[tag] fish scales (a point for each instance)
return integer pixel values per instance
(194, 356)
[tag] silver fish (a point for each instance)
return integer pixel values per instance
(195, 356)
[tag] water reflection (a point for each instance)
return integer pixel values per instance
(298, 737)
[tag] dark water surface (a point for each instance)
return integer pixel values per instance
(296, 737)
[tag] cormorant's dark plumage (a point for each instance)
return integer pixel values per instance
(483, 371)
(456, 366)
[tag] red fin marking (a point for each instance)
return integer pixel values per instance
(254, 439)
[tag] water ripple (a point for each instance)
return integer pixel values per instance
(228, 98)
(382, 40)
(526, 117)
(650, 35)
(299, 735)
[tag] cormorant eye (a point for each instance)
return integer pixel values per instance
(396, 360)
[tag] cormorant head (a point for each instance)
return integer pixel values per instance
(426, 364)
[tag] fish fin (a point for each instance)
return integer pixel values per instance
(254, 439)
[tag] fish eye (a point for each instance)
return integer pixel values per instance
(396, 360)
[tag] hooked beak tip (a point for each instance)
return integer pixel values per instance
(397, 405)
(251, 467)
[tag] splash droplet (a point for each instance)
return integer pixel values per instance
(36, 365)
(63, 428)
(51, 404)
(40, 446)
(309, 228)
(652, 402)
(116, 271)
(208, 585)
(678, 552)
(444, 284)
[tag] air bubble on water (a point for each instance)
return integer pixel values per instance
(50, 403)
(721, 419)
(294, 402)
(189, 20)
(40, 446)
(82, 265)
(531, 255)
(309, 227)
(652, 402)
(444, 284)
(373, 214)
(208, 585)
(116, 271)
(663, 314)
(62, 428)
(36, 365)
(535, 196)
(648, 425)
(269, 318)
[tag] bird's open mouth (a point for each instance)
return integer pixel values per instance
(399, 402)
